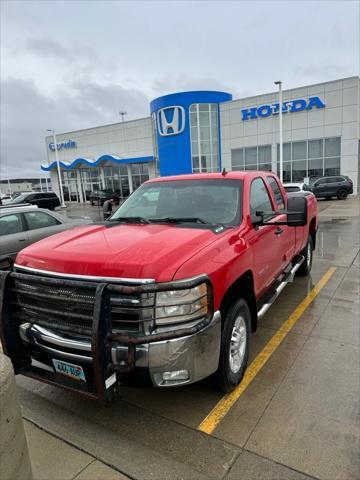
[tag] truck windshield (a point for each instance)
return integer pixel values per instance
(215, 201)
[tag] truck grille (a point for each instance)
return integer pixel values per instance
(69, 306)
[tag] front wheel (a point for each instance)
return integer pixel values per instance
(342, 194)
(235, 346)
(307, 252)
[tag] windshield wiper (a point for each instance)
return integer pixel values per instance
(179, 220)
(129, 220)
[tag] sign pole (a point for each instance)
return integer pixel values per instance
(58, 170)
(279, 82)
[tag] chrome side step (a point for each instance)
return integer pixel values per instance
(288, 278)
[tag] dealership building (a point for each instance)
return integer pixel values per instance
(206, 131)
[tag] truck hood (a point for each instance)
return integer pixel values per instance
(122, 250)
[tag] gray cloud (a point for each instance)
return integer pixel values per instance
(71, 65)
(27, 113)
(184, 82)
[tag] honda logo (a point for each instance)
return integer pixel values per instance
(171, 120)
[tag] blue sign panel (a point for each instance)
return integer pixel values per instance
(62, 145)
(172, 125)
(297, 105)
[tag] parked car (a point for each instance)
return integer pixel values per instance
(99, 196)
(5, 199)
(47, 200)
(21, 226)
(17, 194)
(171, 286)
(339, 186)
(295, 187)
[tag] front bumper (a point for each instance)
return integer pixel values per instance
(197, 354)
(33, 338)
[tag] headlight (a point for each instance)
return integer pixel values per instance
(175, 306)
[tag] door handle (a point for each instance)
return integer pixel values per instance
(279, 231)
(22, 239)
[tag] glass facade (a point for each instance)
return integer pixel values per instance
(251, 158)
(310, 158)
(204, 134)
(112, 177)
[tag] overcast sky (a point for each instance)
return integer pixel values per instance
(69, 65)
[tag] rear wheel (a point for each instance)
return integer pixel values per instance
(307, 252)
(235, 345)
(342, 194)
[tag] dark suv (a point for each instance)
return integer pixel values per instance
(47, 200)
(339, 186)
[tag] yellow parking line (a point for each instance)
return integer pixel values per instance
(209, 424)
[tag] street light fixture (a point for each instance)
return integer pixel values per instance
(58, 168)
(279, 82)
(122, 113)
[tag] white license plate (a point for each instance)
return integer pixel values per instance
(69, 370)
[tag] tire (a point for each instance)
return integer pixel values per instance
(91, 203)
(232, 367)
(307, 252)
(342, 194)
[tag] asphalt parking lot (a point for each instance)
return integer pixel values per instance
(297, 417)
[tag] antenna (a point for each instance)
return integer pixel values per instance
(122, 113)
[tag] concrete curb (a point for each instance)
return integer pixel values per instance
(14, 456)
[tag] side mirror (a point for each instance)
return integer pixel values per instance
(296, 214)
(257, 219)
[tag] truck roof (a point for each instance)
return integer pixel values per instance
(239, 175)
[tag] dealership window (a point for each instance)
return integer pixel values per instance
(120, 180)
(140, 173)
(204, 135)
(312, 158)
(90, 180)
(251, 158)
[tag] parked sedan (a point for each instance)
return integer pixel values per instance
(20, 226)
(295, 187)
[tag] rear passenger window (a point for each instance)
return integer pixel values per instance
(279, 199)
(10, 224)
(259, 197)
(37, 220)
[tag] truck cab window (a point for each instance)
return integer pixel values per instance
(259, 197)
(279, 199)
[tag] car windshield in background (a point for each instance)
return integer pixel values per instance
(192, 201)
(19, 198)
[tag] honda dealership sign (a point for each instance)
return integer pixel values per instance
(289, 106)
(171, 120)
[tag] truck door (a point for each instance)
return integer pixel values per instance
(286, 235)
(264, 240)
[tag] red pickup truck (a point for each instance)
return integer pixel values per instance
(169, 289)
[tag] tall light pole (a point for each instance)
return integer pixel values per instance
(279, 82)
(58, 168)
(122, 114)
